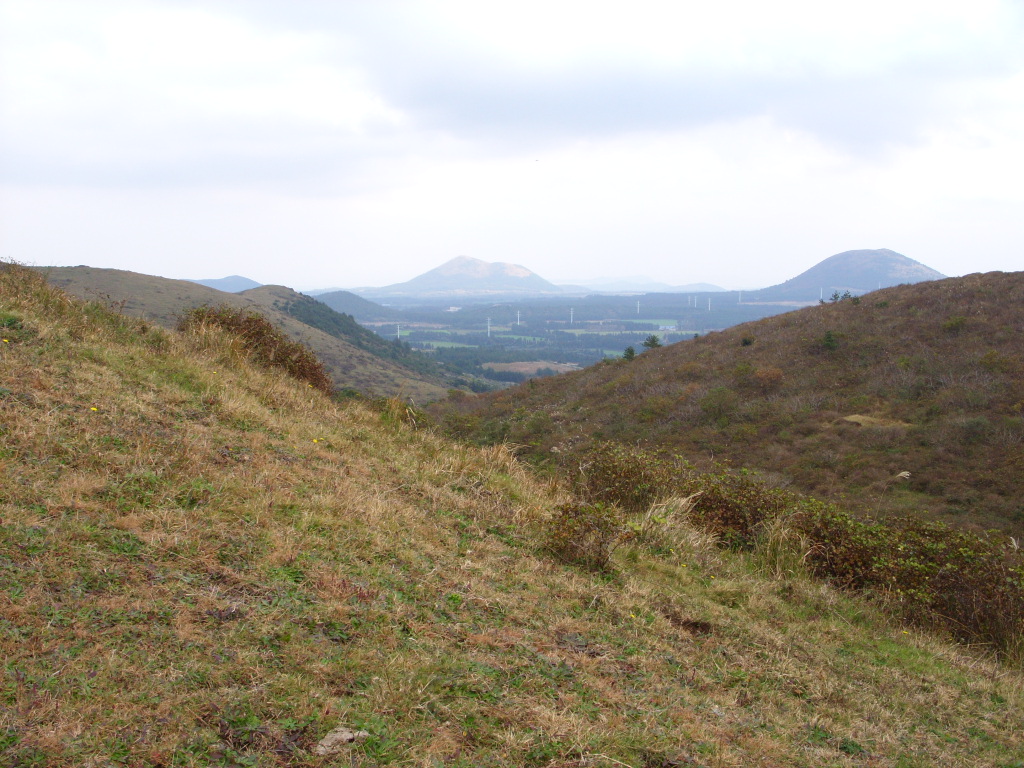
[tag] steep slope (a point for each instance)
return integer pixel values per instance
(205, 564)
(351, 362)
(834, 400)
(854, 271)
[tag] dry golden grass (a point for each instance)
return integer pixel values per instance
(204, 563)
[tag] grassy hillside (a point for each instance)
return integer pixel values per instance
(207, 564)
(834, 400)
(350, 361)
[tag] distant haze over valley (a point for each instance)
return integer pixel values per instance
(468, 278)
(464, 278)
(644, 284)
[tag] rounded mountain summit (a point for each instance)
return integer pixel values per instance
(465, 275)
(854, 271)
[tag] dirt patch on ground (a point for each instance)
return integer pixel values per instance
(874, 421)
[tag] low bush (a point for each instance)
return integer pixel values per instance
(768, 378)
(968, 584)
(630, 478)
(734, 506)
(263, 342)
(719, 404)
(586, 534)
(9, 321)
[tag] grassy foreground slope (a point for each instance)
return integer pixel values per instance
(345, 348)
(833, 400)
(204, 563)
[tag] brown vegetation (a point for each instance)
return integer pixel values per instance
(259, 339)
(831, 400)
(204, 562)
(968, 585)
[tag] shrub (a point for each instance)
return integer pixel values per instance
(996, 362)
(742, 373)
(10, 321)
(719, 404)
(586, 534)
(735, 506)
(843, 549)
(954, 324)
(971, 581)
(630, 478)
(768, 378)
(263, 342)
(969, 585)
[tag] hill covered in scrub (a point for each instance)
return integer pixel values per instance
(834, 400)
(356, 358)
(206, 563)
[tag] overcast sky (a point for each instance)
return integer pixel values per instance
(319, 143)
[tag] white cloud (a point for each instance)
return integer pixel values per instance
(360, 143)
(148, 94)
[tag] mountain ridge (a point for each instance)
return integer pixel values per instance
(357, 365)
(855, 271)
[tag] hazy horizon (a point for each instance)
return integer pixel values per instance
(325, 144)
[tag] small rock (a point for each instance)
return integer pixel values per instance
(337, 739)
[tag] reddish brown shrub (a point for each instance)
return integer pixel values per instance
(263, 342)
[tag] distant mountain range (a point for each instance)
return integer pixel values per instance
(464, 278)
